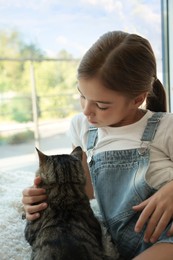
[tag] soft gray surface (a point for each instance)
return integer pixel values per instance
(12, 241)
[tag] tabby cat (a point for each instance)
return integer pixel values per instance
(67, 229)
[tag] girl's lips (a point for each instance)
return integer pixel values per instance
(92, 122)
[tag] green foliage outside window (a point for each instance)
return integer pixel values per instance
(55, 81)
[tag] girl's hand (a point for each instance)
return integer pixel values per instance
(33, 200)
(157, 212)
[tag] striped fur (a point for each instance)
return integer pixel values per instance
(67, 229)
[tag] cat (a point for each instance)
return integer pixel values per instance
(67, 229)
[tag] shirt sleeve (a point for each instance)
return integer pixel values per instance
(168, 136)
(77, 130)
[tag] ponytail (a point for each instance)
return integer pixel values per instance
(156, 100)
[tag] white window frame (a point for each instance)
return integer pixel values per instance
(167, 49)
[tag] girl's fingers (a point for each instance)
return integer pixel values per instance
(33, 191)
(170, 231)
(143, 218)
(151, 225)
(37, 181)
(156, 225)
(33, 199)
(31, 217)
(32, 212)
(159, 228)
(141, 206)
(156, 216)
(35, 208)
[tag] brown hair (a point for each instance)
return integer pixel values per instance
(125, 63)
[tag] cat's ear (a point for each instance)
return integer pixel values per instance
(77, 152)
(42, 157)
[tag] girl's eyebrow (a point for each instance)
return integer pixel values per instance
(98, 101)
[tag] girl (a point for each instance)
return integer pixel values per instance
(129, 149)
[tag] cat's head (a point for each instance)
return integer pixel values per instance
(61, 168)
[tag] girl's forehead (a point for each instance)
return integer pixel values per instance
(94, 90)
(93, 85)
(94, 80)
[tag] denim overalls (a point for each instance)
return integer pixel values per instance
(119, 183)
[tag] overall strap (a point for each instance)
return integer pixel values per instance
(152, 125)
(92, 137)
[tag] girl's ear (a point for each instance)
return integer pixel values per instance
(140, 99)
(77, 152)
(42, 157)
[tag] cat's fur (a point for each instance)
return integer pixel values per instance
(67, 229)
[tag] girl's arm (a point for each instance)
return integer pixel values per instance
(89, 187)
(158, 212)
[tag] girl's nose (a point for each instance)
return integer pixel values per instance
(87, 108)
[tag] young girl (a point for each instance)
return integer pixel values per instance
(129, 149)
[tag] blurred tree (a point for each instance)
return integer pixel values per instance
(12, 46)
(55, 80)
(31, 51)
(10, 42)
(63, 54)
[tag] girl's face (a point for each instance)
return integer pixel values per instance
(105, 107)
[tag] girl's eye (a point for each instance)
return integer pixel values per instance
(97, 104)
(101, 108)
